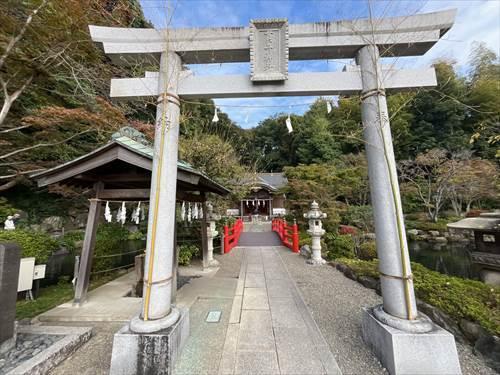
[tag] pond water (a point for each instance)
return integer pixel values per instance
(448, 258)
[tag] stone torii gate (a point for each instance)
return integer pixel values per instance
(404, 340)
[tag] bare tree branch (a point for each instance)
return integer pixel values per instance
(18, 37)
(43, 145)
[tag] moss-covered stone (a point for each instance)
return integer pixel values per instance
(459, 298)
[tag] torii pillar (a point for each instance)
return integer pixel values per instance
(151, 342)
(405, 341)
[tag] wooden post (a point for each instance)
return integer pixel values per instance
(226, 239)
(222, 242)
(204, 237)
(82, 283)
(295, 237)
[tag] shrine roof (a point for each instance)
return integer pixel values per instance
(484, 222)
(124, 162)
(276, 180)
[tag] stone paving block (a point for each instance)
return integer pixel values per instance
(296, 352)
(285, 313)
(257, 363)
(240, 285)
(280, 288)
(261, 338)
(255, 280)
(255, 268)
(255, 257)
(276, 274)
(256, 331)
(255, 299)
(228, 358)
(255, 319)
(236, 310)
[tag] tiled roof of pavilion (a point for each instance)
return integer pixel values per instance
(131, 140)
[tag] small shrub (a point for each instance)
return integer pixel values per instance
(359, 216)
(6, 209)
(474, 213)
(136, 236)
(110, 239)
(427, 225)
(304, 239)
(339, 246)
(186, 253)
(33, 244)
(70, 239)
(347, 229)
(368, 250)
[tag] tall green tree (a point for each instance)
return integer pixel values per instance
(439, 113)
(484, 101)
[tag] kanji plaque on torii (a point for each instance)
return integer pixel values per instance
(269, 50)
(405, 340)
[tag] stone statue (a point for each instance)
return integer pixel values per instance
(9, 223)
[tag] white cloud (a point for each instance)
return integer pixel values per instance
(476, 21)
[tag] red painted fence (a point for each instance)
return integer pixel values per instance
(289, 234)
(232, 235)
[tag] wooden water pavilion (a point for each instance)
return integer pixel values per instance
(121, 170)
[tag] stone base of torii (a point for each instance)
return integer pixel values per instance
(403, 339)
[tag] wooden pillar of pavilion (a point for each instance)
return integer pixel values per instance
(82, 282)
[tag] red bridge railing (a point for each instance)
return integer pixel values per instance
(289, 234)
(232, 235)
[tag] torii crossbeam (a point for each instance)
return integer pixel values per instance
(394, 330)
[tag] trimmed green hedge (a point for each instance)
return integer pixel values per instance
(368, 250)
(339, 246)
(459, 298)
(33, 244)
(440, 226)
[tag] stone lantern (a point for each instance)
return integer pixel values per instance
(316, 231)
(211, 234)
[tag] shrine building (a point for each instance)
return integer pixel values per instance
(266, 198)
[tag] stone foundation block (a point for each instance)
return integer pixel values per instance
(149, 353)
(402, 352)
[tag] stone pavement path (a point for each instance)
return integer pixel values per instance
(270, 329)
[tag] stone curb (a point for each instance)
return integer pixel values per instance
(49, 358)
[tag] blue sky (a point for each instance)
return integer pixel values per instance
(477, 20)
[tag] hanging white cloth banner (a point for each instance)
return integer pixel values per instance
(136, 214)
(216, 118)
(183, 211)
(200, 211)
(328, 106)
(195, 211)
(118, 215)
(143, 214)
(107, 213)
(288, 123)
(189, 212)
(123, 214)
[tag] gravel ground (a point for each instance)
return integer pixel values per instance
(93, 357)
(336, 303)
(229, 263)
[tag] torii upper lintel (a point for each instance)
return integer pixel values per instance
(397, 36)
